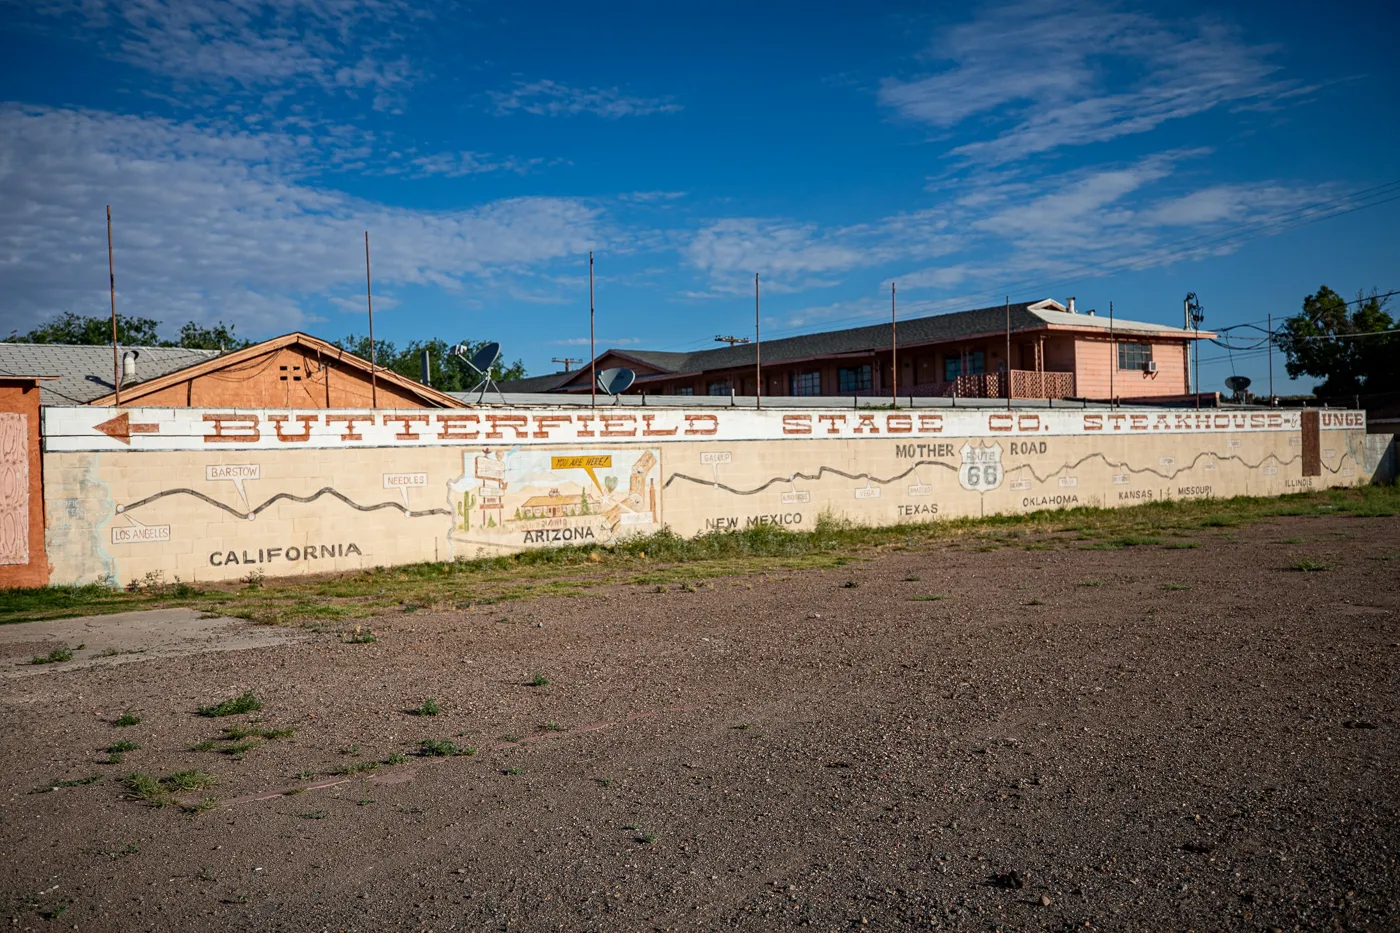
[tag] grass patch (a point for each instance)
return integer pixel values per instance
(1308, 565)
(125, 745)
(56, 656)
(930, 598)
(537, 679)
(356, 767)
(359, 637)
(1090, 583)
(247, 703)
(127, 718)
(443, 748)
(140, 786)
(189, 780)
(245, 731)
(1182, 545)
(429, 707)
(1175, 586)
(551, 726)
(668, 559)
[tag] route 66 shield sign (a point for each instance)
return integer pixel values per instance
(981, 467)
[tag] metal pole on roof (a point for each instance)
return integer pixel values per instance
(112, 282)
(373, 355)
(757, 348)
(1112, 357)
(592, 353)
(1008, 352)
(894, 355)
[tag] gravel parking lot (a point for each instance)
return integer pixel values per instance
(1051, 735)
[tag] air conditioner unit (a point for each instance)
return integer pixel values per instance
(1150, 366)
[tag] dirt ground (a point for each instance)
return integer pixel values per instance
(1149, 738)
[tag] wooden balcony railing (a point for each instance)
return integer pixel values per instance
(1024, 384)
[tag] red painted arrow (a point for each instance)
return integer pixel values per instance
(121, 428)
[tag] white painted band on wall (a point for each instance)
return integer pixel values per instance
(95, 429)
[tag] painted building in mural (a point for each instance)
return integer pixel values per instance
(205, 494)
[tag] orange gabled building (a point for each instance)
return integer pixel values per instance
(292, 371)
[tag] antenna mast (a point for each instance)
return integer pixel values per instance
(757, 349)
(592, 353)
(566, 360)
(730, 340)
(112, 281)
(894, 355)
(373, 354)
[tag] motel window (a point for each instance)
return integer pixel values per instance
(975, 363)
(718, 388)
(952, 368)
(807, 383)
(1134, 355)
(853, 378)
(684, 390)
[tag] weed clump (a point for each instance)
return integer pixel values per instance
(56, 656)
(442, 748)
(429, 707)
(127, 718)
(247, 703)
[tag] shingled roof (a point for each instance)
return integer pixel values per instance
(960, 325)
(84, 372)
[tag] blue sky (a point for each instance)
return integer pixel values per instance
(1109, 151)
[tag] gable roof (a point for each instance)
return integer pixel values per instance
(81, 373)
(960, 325)
(432, 396)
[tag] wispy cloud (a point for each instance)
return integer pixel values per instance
(552, 99)
(795, 256)
(214, 225)
(259, 45)
(458, 164)
(1046, 74)
(600, 341)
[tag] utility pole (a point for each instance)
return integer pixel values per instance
(894, 355)
(592, 353)
(1271, 358)
(373, 351)
(1112, 359)
(730, 340)
(112, 281)
(757, 349)
(566, 360)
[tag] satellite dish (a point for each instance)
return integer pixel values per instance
(480, 364)
(1237, 383)
(616, 381)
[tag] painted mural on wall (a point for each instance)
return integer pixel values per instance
(194, 498)
(522, 496)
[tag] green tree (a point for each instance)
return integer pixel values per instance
(131, 332)
(72, 328)
(449, 373)
(1349, 351)
(219, 337)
